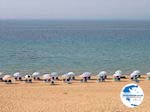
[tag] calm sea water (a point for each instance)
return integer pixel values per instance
(62, 46)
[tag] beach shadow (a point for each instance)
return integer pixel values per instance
(77, 80)
(16, 83)
(87, 82)
(92, 79)
(35, 82)
(106, 81)
(13, 83)
(124, 81)
(109, 78)
(54, 84)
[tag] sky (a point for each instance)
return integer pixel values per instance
(75, 9)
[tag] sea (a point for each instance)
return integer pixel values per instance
(80, 46)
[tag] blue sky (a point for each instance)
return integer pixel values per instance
(75, 9)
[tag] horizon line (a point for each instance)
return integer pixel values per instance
(47, 19)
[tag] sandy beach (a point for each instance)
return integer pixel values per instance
(75, 97)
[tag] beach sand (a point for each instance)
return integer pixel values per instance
(75, 97)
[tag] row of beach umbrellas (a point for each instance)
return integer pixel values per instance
(69, 74)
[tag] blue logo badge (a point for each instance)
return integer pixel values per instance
(132, 95)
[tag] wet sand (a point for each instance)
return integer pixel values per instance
(76, 97)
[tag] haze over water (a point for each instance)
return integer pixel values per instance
(62, 46)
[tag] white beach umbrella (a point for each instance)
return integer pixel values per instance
(65, 75)
(134, 73)
(71, 73)
(148, 74)
(7, 77)
(85, 74)
(35, 74)
(1, 73)
(118, 72)
(54, 74)
(27, 76)
(102, 73)
(46, 76)
(17, 74)
(137, 72)
(115, 75)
